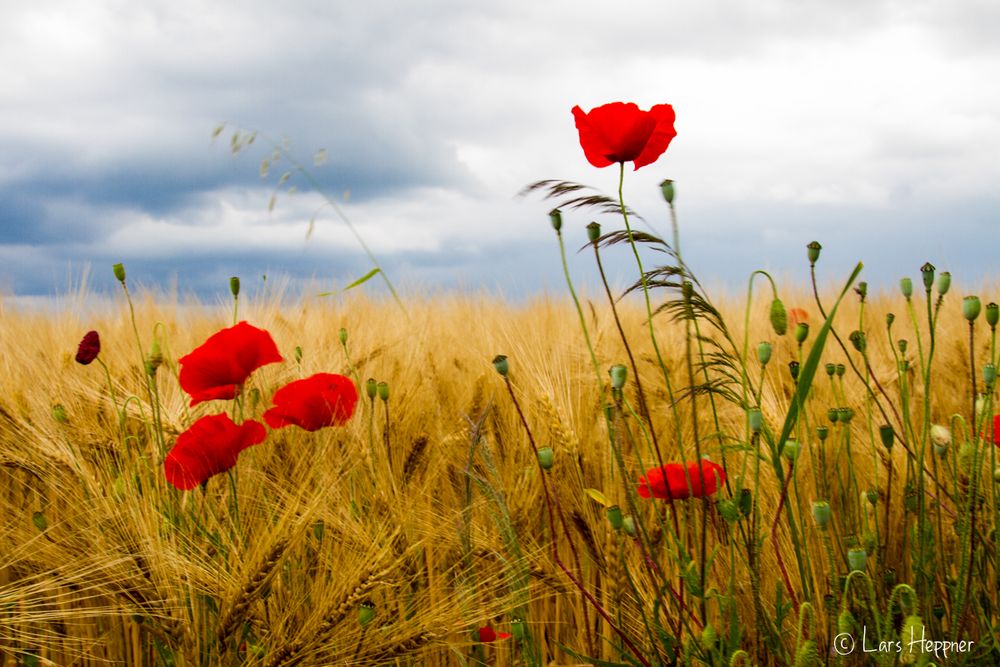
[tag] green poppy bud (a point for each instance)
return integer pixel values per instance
(366, 613)
(858, 341)
(822, 432)
(943, 283)
(555, 218)
(779, 317)
(812, 252)
(756, 419)
(371, 388)
(763, 353)
(618, 374)
(500, 363)
(119, 270)
(746, 502)
(793, 369)
(906, 287)
(861, 290)
(791, 450)
(234, 286)
(59, 413)
(667, 188)
(841, 369)
(831, 369)
(342, 335)
(989, 375)
(971, 306)
(546, 458)
(927, 273)
(821, 513)
(888, 436)
(615, 517)
(889, 319)
(938, 611)
(593, 232)
(383, 391)
(832, 414)
(992, 314)
(729, 511)
(518, 628)
(857, 558)
(902, 343)
(801, 332)
(628, 525)
(845, 415)
(871, 495)
(940, 438)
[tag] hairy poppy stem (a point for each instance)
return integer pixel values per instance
(774, 536)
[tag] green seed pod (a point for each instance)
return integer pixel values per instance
(858, 341)
(555, 218)
(729, 510)
(371, 388)
(992, 314)
(889, 319)
(763, 353)
(841, 369)
(119, 271)
(989, 375)
(833, 414)
(888, 436)
(845, 415)
(618, 374)
(801, 332)
(861, 290)
(746, 502)
(518, 629)
(628, 525)
(812, 252)
(779, 317)
(822, 432)
(546, 458)
(383, 391)
(593, 232)
(902, 344)
(944, 283)
(59, 413)
(793, 369)
(342, 335)
(870, 542)
(831, 369)
(927, 273)
(857, 558)
(501, 365)
(366, 613)
(821, 513)
(615, 517)
(791, 450)
(808, 655)
(756, 419)
(667, 188)
(871, 495)
(234, 286)
(906, 287)
(971, 306)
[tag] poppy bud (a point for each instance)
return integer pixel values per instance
(941, 438)
(971, 306)
(779, 318)
(746, 502)
(801, 332)
(889, 319)
(821, 513)
(992, 314)
(861, 290)
(943, 282)
(342, 335)
(756, 419)
(763, 353)
(366, 613)
(555, 217)
(371, 388)
(812, 252)
(791, 450)
(845, 415)
(518, 628)
(593, 232)
(729, 511)
(667, 188)
(618, 374)
(902, 343)
(841, 369)
(546, 457)
(831, 369)
(234, 286)
(89, 348)
(980, 404)
(822, 432)
(887, 435)
(832, 415)
(793, 368)
(628, 525)
(383, 391)
(59, 413)
(872, 496)
(989, 375)
(119, 270)
(500, 363)
(155, 358)
(927, 273)
(615, 517)
(857, 558)
(906, 287)
(858, 341)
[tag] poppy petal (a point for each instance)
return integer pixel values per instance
(210, 446)
(323, 399)
(622, 132)
(217, 368)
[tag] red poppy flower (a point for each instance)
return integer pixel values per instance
(620, 132)
(89, 348)
(798, 316)
(210, 446)
(323, 399)
(996, 430)
(218, 367)
(670, 481)
(488, 634)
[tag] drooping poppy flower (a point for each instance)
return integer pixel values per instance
(217, 368)
(622, 132)
(670, 481)
(89, 348)
(488, 635)
(323, 399)
(210, 446)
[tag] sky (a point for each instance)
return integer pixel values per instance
(872, 126)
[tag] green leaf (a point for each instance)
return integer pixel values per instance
(598, 496)
(360, 281)
(40, 521)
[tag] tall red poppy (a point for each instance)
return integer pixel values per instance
(89, 348)
(210, 446)
(622, 132)
(218, 367)
(488, 635)
(323, 399)
(670, 480)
